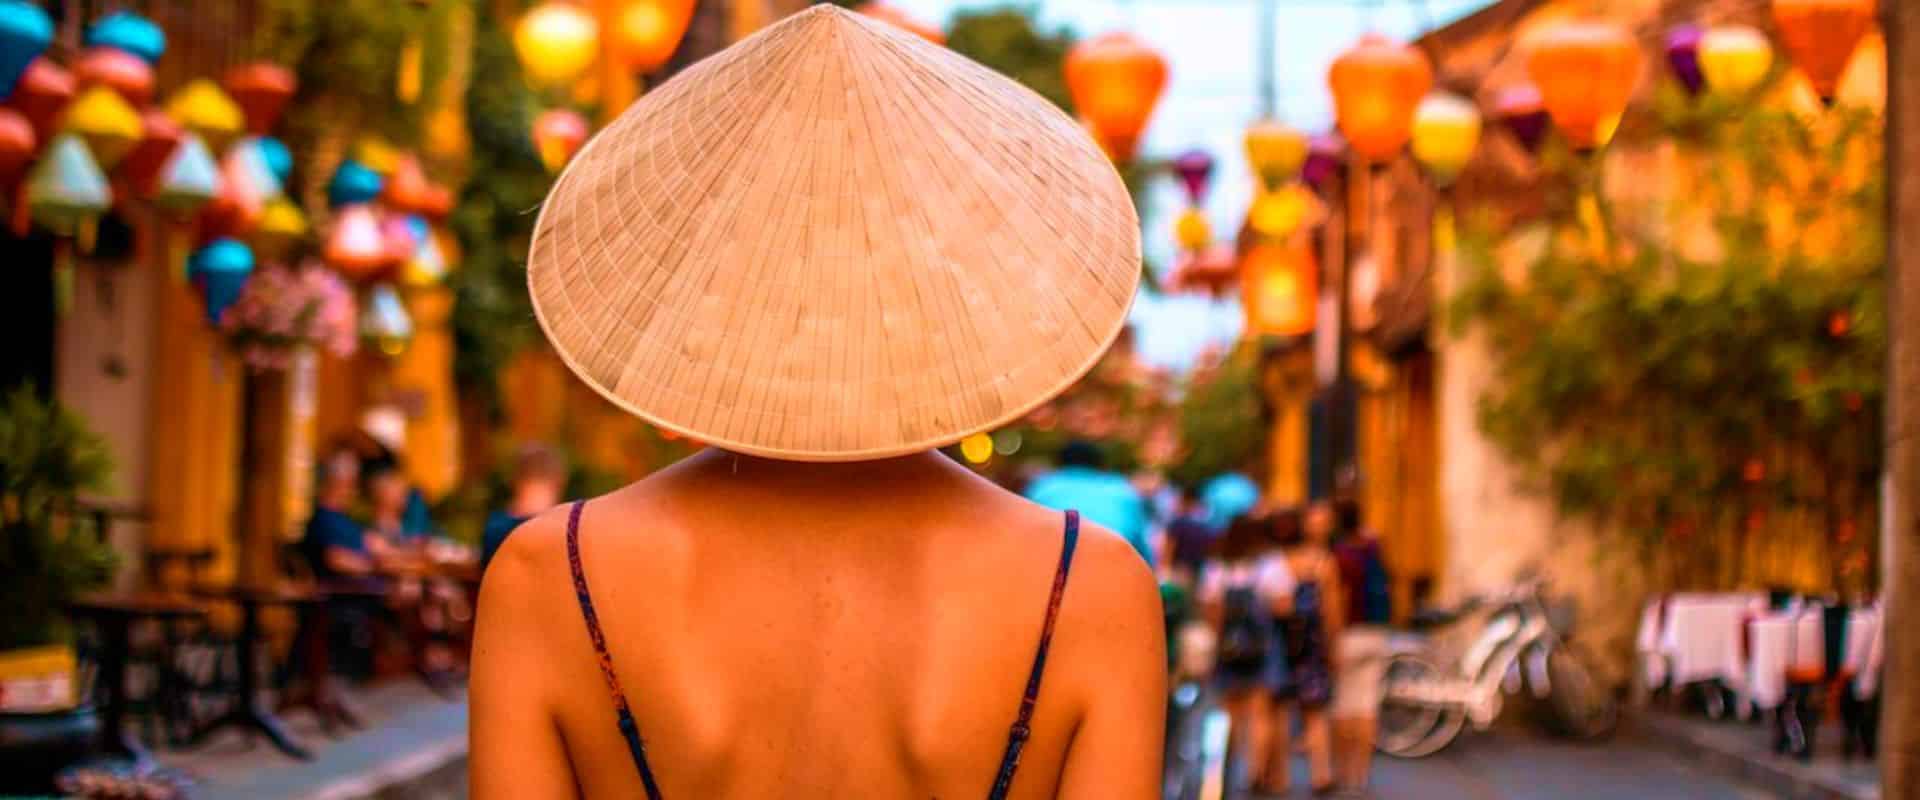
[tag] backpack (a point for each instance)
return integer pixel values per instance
(1246, 631)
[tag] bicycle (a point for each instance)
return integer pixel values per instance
(1425, 707)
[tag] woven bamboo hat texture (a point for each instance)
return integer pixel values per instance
(835, 241)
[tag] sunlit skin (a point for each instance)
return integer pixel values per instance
(816, 630)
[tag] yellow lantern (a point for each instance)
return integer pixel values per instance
(109, 126)
(1281, 289)
(206, 111)
(1116, 80)
(646, 32)
(1276, 151)
(1376, 86)
(1446, 129)
(1192, 231)
(1734, 58)
(1278, 214)
(556, 42)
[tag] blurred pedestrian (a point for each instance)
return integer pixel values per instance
(1082, 482)
(1361, 649)
(539, 481)
(1190, 538)
(335, 544)
(1309, 630)
(1242, 596)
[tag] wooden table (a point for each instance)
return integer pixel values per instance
(113, 616)
(247, 713)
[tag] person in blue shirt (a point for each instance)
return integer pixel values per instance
(1103, 496)
(335, 544)
(539, 479)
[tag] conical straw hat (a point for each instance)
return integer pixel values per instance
(835, 241)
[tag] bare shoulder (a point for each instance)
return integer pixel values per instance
(1111, 586)
(529, 573)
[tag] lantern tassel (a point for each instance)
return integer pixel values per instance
(85, 233)
(178, 244)
(62, 278)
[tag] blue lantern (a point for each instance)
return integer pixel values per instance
(279, 159)
(220, 271)
(125, 30)
(353, 183)
(25, 31)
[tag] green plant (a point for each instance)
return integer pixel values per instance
(1222, 421)
(51, 553)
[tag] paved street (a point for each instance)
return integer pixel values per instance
(1511, 765)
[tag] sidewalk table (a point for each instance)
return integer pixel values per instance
(1694, 637)
(114, 615)
(318, 692)
(1796, 642)
(247, 713)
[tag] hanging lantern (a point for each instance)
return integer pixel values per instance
(1683, 56)
(894, 15)
(42, 92)
(247, 162)
(281, 227)
(67, 192)
(125, 30)
(385, 322)
(1586, 73)
(1280, 289)
(436, 202)
(106, 122)
(1376, 86)
(355, 245)
(204, 109)
(353, 183)
(407, 187)
(1195, 168)
(1276, 152)
(1192, 231)
(1210, 270)
(1277, 214)
(646, 32)
(277, 157)
(377, 154)
(188, 180)
(557, 135)
(118, 70)
(17, 144)
(400, 237)
(1116, 81)
(427, 265)
(220, 271)
(159, 135)
(1821, 35)
(262, 90)
(1735, 59)
(246, 186)
(25, 32)
(1446, 129)
(556, 41)
(1325, 154)
(977, 449)
(1520, 110)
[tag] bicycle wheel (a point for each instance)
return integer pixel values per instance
(1582, 708)
(1414, 730)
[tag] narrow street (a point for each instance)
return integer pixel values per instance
(1512, 765)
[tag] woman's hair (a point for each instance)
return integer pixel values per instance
(1247, 536)
(1346, 515)
(539, 461)
(1289, 526)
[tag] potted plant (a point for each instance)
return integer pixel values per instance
(49, 554)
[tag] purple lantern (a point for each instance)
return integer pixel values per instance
(1325, 152)
(1683, 56)
(1519, 108)
(1195, 168)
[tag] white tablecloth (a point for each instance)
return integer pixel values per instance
(1786, 641)
(1697, 638)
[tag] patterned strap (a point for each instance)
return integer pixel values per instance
(1017, 737)
(628, 729)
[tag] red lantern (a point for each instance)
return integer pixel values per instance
(118, 70)
(1116, 80)
(262, 90)
(1376, 87)
(1821, 35)
(646, 32)
(17, 144)
(557, 135)
(892, 15)
(1586, 73)
(437, 203)
(159, 134)
(42, 92)
(407, 189)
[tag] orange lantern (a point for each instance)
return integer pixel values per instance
(1280, 290)
(901, 19)
(557, 135)
(262, 90)
(1586, 72)
(42, 92)
(1116, 80)
(646, 32)
(1821, 35)
(407, 189)
(1376, 87)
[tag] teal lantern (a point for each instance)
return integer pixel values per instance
(189, 179)
(354, 183)
(125, 30)
(220, 270)
(67, 192)
(25, 31)
(279, 159)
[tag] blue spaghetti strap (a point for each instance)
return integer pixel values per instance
(622, 713)
(1017, 737)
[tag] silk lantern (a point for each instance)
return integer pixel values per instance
(277, 157)
(1735, 58)
(1116, 81)
(220, 271)
(1821, 35)
(125, 30)
(1280, 289)
(1195, 170)
(1325, 154)
(352, 183)
(43, 91)
(556, 42)
(246, 186)
(1276, 152)
(159, 135)
(354, 244)
(1519, 110)
(399, 238)
(644, 33)
(1446, 129)
(1376, 86)
(204, 109)
(17, 144)
(1586, 73)
(407, 187)
(188, 179)
(1277, 214)
(281, 227)
(895, 16)
(109, 126)
(262, 90)
(1683, 56)
(385, 321)
(118, 70)
(557, 135)
(67, 192)
(25, 32)
(1192, 231)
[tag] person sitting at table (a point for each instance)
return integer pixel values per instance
(539, 480)
(335, 544)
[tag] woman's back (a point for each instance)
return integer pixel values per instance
(790, 630)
